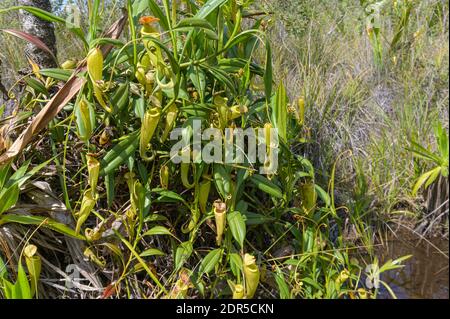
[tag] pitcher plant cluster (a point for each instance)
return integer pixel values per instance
(173, 143)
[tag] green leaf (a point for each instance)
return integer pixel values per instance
(18, 174)
(282, 285)
(323, 195)
(442, 139)
(183, 252)
(9, 289)
(37, 86)
(279, 111)
(22, 178)
(152, 252)
(119, 154)
(222, 180)
(37, 220)
(194, 23)
(3, 272)
(139, 6)
(421, 152)
(47, 16)
(266, 186)
(58, 74)
(4, 172)
(210, 261)
(221, 76)
(198, 78)
(158, 230)
(208, 8)
(22, 283)
(268, 74)
(44, 15)
(235, 264)
(166, 194)
(237, 227)
(120, 99)
(436, 172)
(422, 179)
(312, 283)
(110, 188)
(103, 41)
(257, 219)
(157, 12)
(394, 264)
(9, 197)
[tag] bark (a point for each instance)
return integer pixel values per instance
(42, 29)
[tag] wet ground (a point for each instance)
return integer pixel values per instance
(425, 275)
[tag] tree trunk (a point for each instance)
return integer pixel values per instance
(43, 30)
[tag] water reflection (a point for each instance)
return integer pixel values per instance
(425, 275)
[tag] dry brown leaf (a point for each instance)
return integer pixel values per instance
(64, 95)
(56, 104)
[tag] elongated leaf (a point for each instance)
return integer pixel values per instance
(9, 197)
(119, 154)
(158, 230)
(157, 12)
(3, 272)
(121, 98)
(194, 23)
(8, 289)
(47, 16)
(208, 8)
(394, 264)
(222, 77)
(422, 179)
(165, 194)
(139, 6)
(37, 220)
(282, 286)
(21, 176)
(4, 172)
(58, 74)
(312, 283)
(110, 188)
(279, 111)
(152, 252)
(235, 264)
(237, 226)
(257, 219)
(37, 86)
(22, 283)
(268, 74)
(44, 15)
(222, 180)
(442, 139)
(323, 195)
(267, 186)
(183, 252)
(235, 64)
(436, 172)
(210, 261)
(198, 78)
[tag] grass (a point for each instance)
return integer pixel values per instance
(111, 202)
(373, 108)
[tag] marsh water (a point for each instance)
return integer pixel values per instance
(425, 275)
